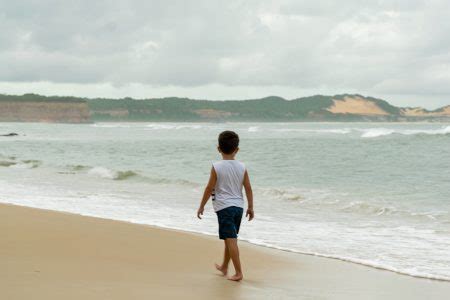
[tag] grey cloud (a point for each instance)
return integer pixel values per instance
(372, 46)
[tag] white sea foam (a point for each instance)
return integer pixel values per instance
(367, 132)
(26, 164)
(374, 264)
(377, 132)
(102, 172)
(340, 131)
(22, 166)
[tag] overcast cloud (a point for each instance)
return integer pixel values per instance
(398, 50)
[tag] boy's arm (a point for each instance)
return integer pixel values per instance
(249, 193)
(208, 191)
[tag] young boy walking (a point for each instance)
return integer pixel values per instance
(227, 178)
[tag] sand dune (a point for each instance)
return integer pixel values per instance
(420, 112)
(356, 105)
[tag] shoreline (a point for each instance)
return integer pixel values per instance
(50, 254)
(349, 260)
(250, 243)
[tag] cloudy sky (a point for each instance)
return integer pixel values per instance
(396, 50)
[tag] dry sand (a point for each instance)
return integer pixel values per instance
(52, 255)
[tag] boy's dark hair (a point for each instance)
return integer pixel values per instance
(228, 141)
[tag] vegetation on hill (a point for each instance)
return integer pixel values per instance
(270, 109)
(39, 98)
(183, 109)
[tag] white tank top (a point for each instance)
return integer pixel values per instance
(228, 189)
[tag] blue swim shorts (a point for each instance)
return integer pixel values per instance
(229, 222)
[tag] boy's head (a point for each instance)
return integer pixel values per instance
(228, 142)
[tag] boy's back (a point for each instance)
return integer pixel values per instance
(228, 188)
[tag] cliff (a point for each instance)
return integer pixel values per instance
(43, 110)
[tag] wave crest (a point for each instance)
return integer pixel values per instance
(368, 132)
(121, 175)
(23, 164)
(106, 173)
(377, 132)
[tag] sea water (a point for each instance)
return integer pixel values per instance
(371, 193)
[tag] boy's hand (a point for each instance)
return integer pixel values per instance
(250, 214)
(200, 212)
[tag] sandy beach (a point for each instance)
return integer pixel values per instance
(53, 255)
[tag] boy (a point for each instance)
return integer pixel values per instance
(226, 181)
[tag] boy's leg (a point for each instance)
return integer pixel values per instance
(234, 254)
(226, 260)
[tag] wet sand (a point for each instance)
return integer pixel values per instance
(53, 255)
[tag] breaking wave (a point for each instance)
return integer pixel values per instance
(22, 164)
(366, 133)
(107, 173)
(377, 132)
(111, 174)
(96, 171)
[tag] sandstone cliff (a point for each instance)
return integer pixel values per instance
(44, 111)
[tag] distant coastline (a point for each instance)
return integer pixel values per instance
(318, 108)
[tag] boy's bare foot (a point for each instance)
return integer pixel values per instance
(236, 277)
(223, 270)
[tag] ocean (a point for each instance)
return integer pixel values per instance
(376, 194)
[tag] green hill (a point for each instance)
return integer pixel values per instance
(345, 107)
